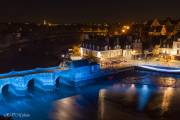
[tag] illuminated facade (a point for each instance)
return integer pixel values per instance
(112, 47)
(127, 47)
(176, 48)
(101, 54)
(102, 47)
(171, 48)
(137, 48)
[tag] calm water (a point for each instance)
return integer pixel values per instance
(118, 99)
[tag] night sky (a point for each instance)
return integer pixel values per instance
(76, 11)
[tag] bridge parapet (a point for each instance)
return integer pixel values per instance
(44, 78)
(16, 84)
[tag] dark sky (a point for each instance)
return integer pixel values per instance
(69, 11)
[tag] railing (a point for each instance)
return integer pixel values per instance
(140, 63)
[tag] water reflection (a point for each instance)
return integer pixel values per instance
(131, 92)
(67, 110)
(101, 104)
(144, 94)
(73, 108)
(106, 100)
(166, 81)
(166, 99)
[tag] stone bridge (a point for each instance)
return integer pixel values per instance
(20, 82)
(43, 78)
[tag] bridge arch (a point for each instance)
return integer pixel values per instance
(57, 82)
(30, 85)
(6, 89)
(33, 83)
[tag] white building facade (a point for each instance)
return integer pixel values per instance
(171, 49)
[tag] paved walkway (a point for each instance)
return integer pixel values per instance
(128, 63)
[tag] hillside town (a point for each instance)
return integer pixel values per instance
(157, 39)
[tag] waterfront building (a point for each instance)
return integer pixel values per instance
(112, 47)
(176, 48)
(170, 48)
(102, 47)
(137, 48)
(127, 51)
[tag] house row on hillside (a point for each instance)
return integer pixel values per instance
(167, 27)
(130, 47)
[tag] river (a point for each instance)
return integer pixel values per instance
(104, 100)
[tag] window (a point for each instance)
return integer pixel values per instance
(178, 45)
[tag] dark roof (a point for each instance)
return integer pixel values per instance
(111, 42)
(155, 29)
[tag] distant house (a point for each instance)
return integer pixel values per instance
(177, 26)
(137, 47)
(176, 48)
(166, 47)
(93, 30)
(155, 23)
(162, 28)
(158, 30)
(127, 51)
(170, 47)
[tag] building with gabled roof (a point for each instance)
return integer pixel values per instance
(111, 47)
(155, 23)
(170, 47)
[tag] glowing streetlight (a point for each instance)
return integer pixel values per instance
(123, 31)
(127, 27)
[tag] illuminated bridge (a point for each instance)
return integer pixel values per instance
(17, 82)
(76, 73)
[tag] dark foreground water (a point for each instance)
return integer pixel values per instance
(105, 100)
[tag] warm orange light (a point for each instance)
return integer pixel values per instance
(127, 27)
(123, 30)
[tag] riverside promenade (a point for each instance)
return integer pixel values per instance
(128, 63)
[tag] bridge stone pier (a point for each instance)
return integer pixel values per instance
(18, 82)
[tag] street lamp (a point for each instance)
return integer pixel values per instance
(123, 30)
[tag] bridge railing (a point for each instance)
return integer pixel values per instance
(30, 71)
